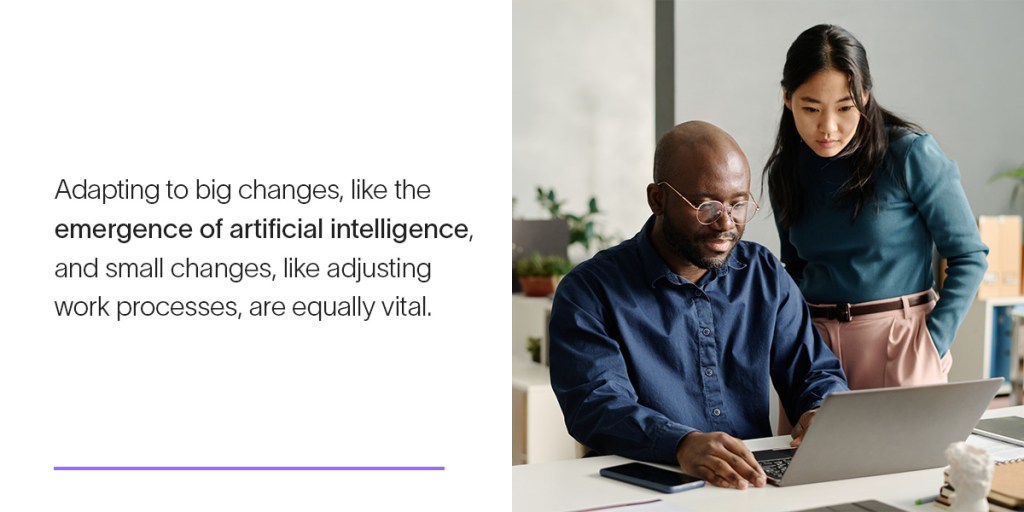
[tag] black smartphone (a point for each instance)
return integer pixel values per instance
(652, 477)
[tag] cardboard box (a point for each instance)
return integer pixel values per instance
(1002, 235)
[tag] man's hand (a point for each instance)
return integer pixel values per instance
(720, 459)
(801, 427)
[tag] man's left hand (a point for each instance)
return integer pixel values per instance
(801, 427)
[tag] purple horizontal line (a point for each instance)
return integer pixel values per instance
(248, 468)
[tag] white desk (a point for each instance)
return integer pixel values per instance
(575, 484)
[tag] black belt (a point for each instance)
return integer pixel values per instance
(846, 312)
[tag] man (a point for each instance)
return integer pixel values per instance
(663, 346)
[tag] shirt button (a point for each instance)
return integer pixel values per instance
(708, 372)
(705, 331)
(698, 294)
(716, 412)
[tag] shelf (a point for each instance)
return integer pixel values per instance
(977, 339)
(538, 431)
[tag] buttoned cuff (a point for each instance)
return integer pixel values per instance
(667, 442)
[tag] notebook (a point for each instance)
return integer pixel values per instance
(1009, 429)
(880, 431)
(1008, 484)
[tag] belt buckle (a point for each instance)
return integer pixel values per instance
(843, 312)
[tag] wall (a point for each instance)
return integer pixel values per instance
(583, 88)
(955, 67)
(583, 106)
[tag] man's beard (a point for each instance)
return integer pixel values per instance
(689, 248)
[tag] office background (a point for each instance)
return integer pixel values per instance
(584, 83)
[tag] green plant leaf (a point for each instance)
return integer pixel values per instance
(1017, 174)
(582, 228)
(536, 265)
(588, 234)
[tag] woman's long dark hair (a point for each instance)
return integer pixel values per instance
(819, 48)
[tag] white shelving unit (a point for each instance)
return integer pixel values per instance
(538, 431)
(530, 317)
(972, 348)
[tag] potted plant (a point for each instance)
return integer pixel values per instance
(1014, 174)
(533, 347)
(583, 228)
(539, 275)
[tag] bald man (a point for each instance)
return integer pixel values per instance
(663, 347)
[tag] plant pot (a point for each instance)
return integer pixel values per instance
(539, 286)
(533, 347)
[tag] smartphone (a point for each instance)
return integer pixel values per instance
(652, 477)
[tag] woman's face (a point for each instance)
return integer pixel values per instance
(824, 111)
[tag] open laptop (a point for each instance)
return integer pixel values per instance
(879, 431)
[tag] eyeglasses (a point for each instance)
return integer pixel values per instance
(709, 211)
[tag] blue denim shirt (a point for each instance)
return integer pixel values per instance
(640, 356)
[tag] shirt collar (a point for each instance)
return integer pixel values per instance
(654, 267)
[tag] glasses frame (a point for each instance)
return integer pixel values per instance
(723, 208)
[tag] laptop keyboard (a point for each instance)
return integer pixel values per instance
(775, 468)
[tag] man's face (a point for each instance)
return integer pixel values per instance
(723, 178)
(704, 248)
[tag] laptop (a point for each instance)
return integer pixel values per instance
(1009, 429)
(880, 431)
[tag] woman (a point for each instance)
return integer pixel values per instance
(861, 197)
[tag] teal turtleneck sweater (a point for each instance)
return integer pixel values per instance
(887, 251)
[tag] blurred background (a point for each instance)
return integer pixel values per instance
(594, 82)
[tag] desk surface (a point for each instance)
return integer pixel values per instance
(575, 484)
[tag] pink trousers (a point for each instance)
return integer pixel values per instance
(887, 349)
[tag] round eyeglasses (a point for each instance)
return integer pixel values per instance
(709, 211)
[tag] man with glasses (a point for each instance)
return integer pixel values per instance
(662, 347)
